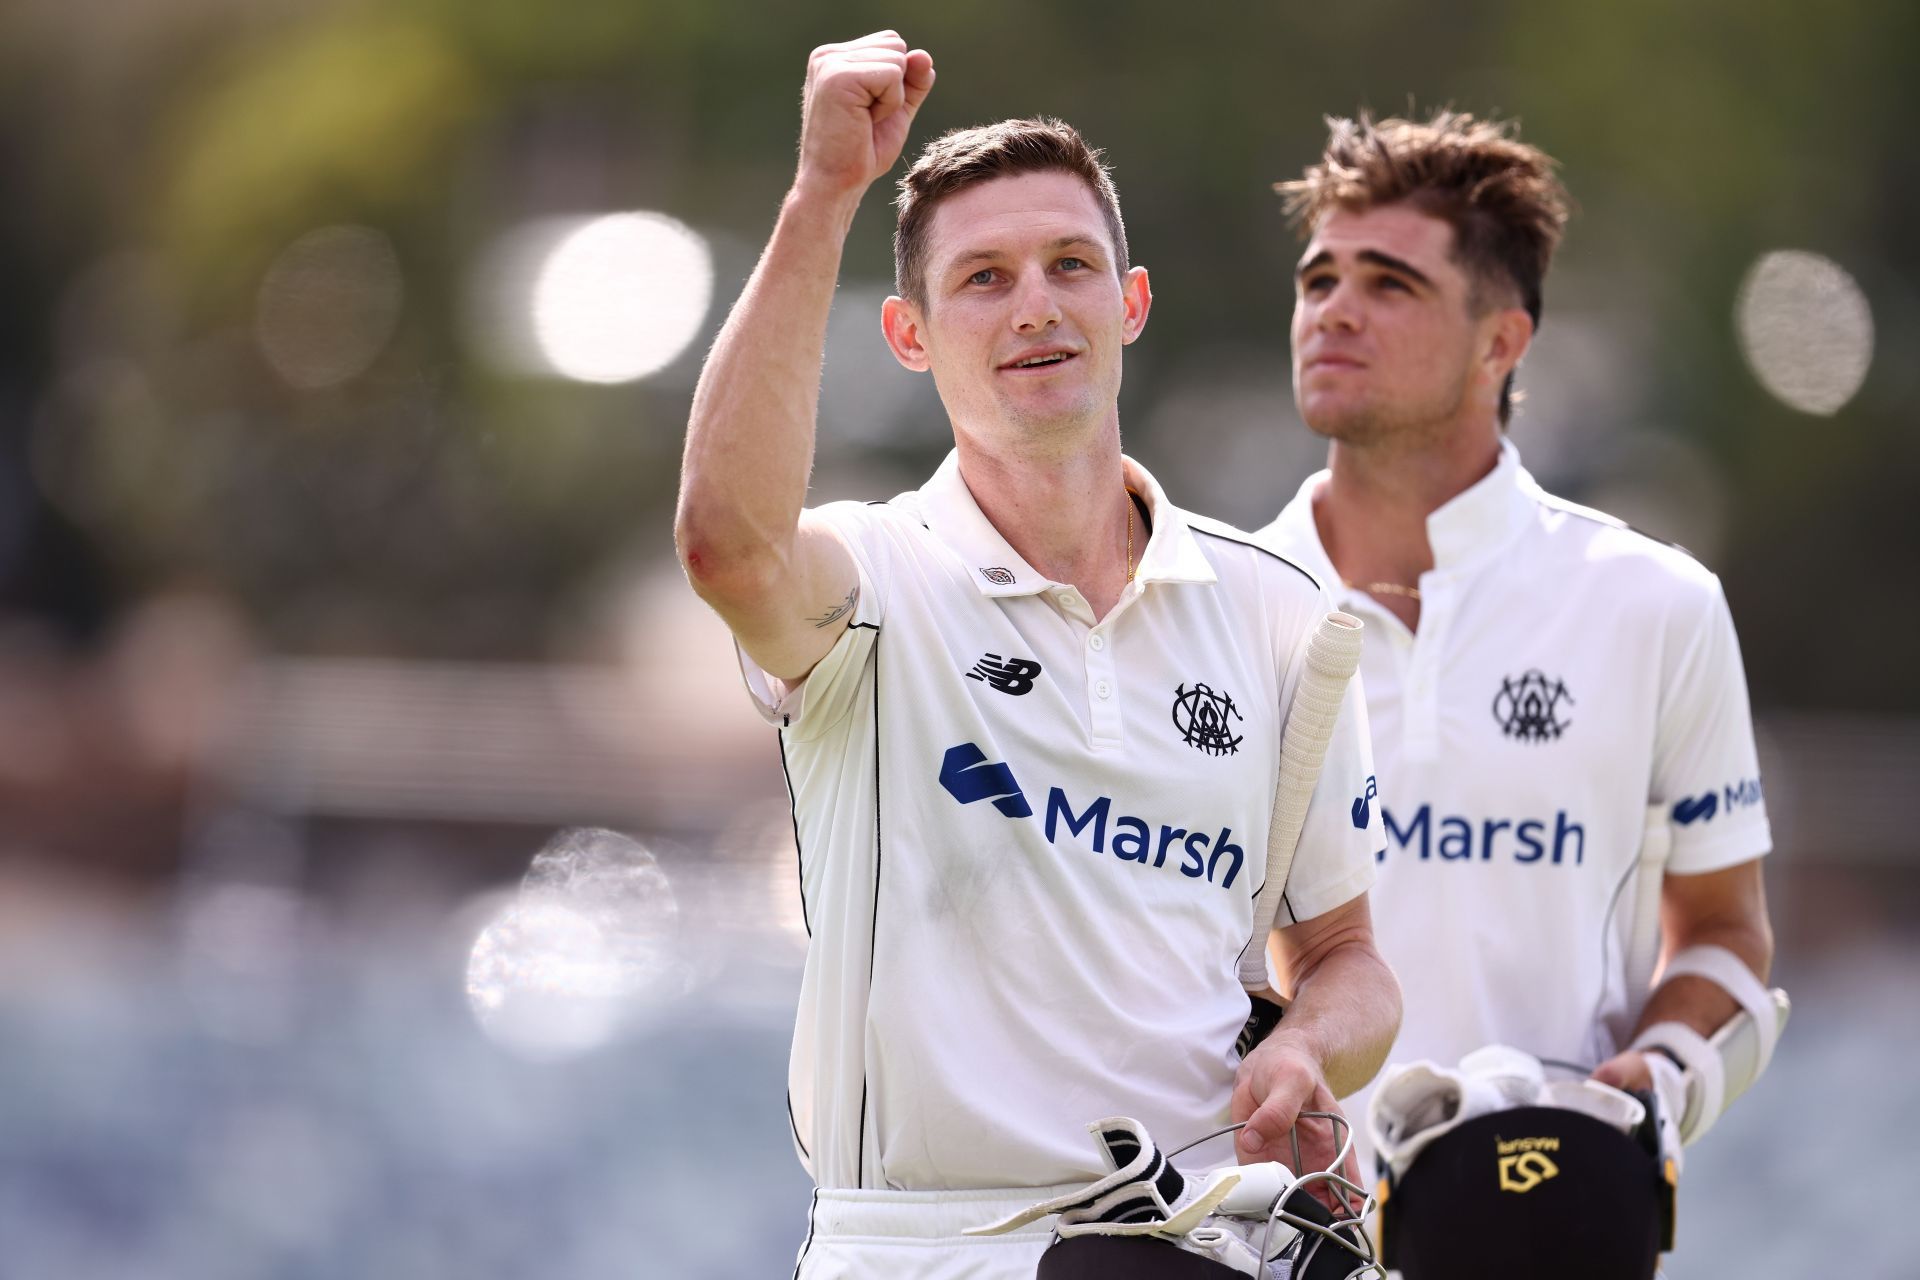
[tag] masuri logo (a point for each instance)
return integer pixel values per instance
(1524, 1163)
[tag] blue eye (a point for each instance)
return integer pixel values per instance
(981, 277)
(1071, 264)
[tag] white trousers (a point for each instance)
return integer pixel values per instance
(915, 1235)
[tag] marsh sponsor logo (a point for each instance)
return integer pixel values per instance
(969, 777)
(1692, 809)
(1202, 856)
(1709, 805)
(1363, 807)
(1454, 838)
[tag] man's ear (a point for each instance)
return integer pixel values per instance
(901, 324)
(1137, 293)
(1508, 341)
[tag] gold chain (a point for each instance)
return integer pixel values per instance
(1130, 496)
(1383, 589)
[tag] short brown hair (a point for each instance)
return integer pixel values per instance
(1501, 196)
(964, 157)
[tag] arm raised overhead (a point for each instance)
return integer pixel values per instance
(785, 583)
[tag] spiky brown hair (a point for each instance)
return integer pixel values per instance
(1501, 196)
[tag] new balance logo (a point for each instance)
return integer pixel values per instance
(967, 776)
(1008, 675)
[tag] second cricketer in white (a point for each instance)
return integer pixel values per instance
(1569, 675)
(1566, 759)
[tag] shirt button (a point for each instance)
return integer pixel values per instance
(1063, 596)
(1096, 642)
(1103, 689)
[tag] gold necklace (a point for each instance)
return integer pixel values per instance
(1130, 497)
(1383, 589)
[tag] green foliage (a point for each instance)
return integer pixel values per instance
(354, 117)
(1694, 136)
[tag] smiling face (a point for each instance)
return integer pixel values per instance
(1025, 310)
(1388, 336)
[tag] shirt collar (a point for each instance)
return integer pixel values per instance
(1472, 524)
(1481, 519)
(1172, 553)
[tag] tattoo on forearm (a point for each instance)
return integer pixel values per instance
(838, 611)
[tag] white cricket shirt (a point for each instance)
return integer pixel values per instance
(1567, 675)
(1029, 844)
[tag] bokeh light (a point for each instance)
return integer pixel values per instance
(542, 981)
(587, 947)
(606, 299)
(329, 591)
(620, 297)
(328, 305)
(1806, 330)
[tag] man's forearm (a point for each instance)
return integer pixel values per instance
(750, 435)
(1697, 1002)
(1345, 1014)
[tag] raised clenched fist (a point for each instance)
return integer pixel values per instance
(861, 97)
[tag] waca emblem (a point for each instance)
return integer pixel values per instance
(1528, 708)
(1204, 719)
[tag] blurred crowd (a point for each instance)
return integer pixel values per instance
(344, 354)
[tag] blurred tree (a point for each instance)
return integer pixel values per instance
(431, 504)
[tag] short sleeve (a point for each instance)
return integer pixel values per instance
(1706, 771)
(1343, 833)
(808, 707)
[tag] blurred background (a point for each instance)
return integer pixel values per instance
(393, 878)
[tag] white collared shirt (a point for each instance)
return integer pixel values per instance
(1568, 675)
(1029, 842)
